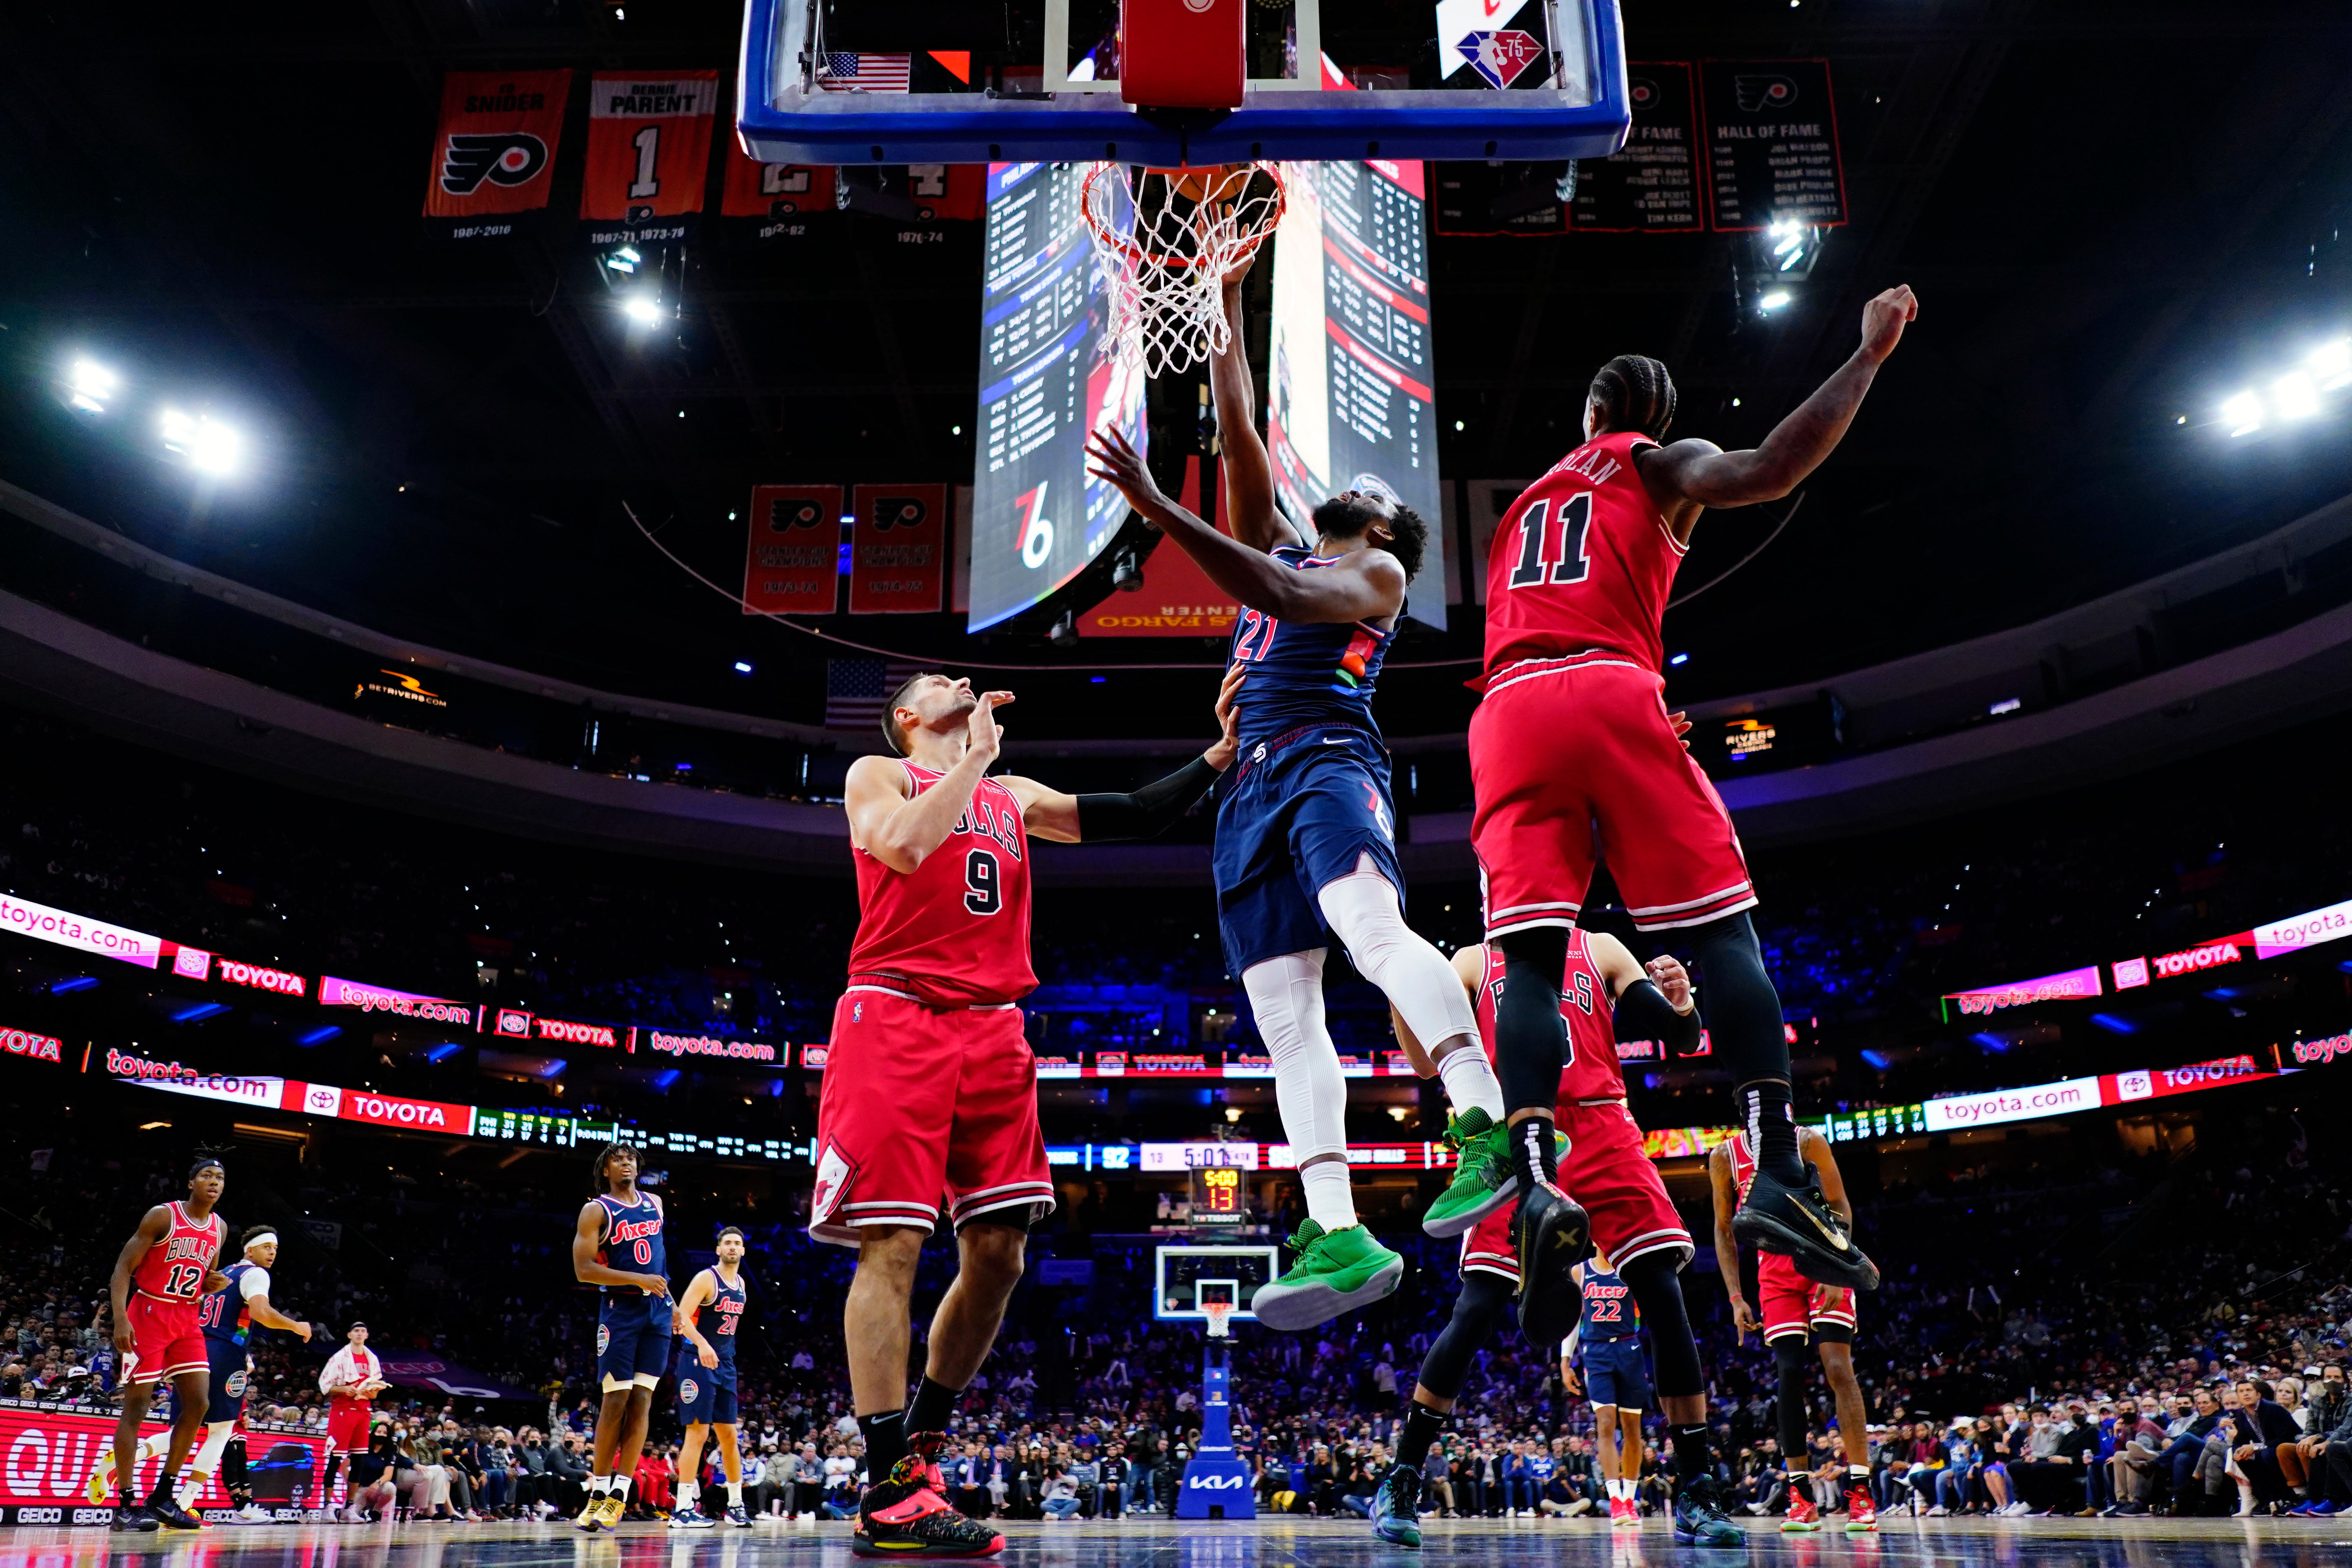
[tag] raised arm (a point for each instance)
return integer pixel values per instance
(1688, 475)
(1248, 475)
(1146, 813)
(1365, 585)
(1652, 1003)
(153, 1227)
(1727, 1250)
(900, 828)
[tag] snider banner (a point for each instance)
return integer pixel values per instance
(792, 555)
(648, 153)
(898, 550)
(494, 153)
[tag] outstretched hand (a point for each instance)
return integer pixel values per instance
(1113, 459)
(987, 734)
(1229, 719)
(1883, 318)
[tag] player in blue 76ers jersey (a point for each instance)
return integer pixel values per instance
(1307, 833)
(618, 1244)
(706, 1384)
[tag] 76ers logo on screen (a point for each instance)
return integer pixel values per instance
(501, 157)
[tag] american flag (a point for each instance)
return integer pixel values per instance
(845, 70)
(856, 689)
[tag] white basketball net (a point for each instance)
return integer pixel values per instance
(1169, 237)
(1220, 1315)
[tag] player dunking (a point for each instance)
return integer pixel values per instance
(618, 1244)
(1794, 1308)
(1608, 1337)
(1306, 836)
(932, 1091)
(1573, 758)
(163, 1271)
(1605, 996)
(706, 1384)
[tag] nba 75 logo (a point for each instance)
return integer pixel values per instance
(502, 157)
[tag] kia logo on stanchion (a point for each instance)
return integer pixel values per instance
(1215, 1483)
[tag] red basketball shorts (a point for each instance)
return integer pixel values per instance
(168, 1342)
(1793, 1305)
(1574, 760)
(925, 1110)
(1617, 1184)
(347, 1425)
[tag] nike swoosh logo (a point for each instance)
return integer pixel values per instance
(1335, 739)
(1832, 1237)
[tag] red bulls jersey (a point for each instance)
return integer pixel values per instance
(175, 1266)
(1583, 560)
(956, 928)
(1591, 1072)
(1743, 1164)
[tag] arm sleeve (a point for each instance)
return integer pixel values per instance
(253, 1282)
(1645, 1013)
(1149, 810)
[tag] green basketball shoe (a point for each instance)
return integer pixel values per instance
(1335, 1271)
(1482, 1180)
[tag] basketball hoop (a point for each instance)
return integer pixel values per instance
(1170, 238)
(1219, 1316)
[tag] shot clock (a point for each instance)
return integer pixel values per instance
(1220, 1197)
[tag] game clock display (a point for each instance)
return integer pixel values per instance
(1220, 1197)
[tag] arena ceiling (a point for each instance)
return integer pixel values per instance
(2114, 214)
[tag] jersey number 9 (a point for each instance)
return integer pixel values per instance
(981, 893)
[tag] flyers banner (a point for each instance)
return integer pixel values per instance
(768, 202)
(791, 557)
(898, 550)
(649, 155)
(1771, 144)
(915, 193)
(494, 154)
(1650, 185)
(1177, 599)
(50, 1453)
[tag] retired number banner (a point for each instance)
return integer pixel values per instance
(648, 153)
(898, 550)
(791, 560)
(495, 151)
(772, 202)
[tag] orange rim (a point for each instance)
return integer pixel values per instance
(1135, 253)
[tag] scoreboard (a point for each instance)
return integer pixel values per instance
(1220, 1197)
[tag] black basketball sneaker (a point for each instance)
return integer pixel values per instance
(1798, 1224)
(130, 1519)
(1553, 1235)
(905, 1516)
(164, 1506)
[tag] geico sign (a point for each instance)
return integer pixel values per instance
(2190, 960)
(262, 979)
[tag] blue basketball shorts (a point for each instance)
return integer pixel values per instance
(706, 1394)
(633, 1340)
(1304, 811)
(1613, 1375)
(229, 1377)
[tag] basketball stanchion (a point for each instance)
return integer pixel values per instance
(1216, 1483)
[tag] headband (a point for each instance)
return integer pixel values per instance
(253, 1242)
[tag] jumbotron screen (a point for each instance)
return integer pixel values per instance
(1048, 374)
(1351, 407)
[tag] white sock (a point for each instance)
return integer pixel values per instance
(620, 1487)
(599, 1485)
(1469, 1079)
(1330, 1197)
(734, 1494)
(687, 1493)
(1286, 996)
(1363, 910)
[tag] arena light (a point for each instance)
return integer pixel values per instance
(2332, 364)
(2243, 412)
(742, 667)
(2295, 396)
(89, 386)
(206, 443)
(642, 309)
(1787, 240)
(1774, 300)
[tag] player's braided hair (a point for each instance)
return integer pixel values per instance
(596, 1166)
(1633, 392)
(890, 730)
(207, 1159)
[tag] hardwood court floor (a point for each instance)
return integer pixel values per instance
(1157, 1543)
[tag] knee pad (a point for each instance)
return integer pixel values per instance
(1658, 1292)
(1364, 911)
(1286, 997)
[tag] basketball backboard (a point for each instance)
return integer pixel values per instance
(1185, 1278)
(912, 81)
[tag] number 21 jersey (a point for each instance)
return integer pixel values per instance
(954, 930)
(1583, 560)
